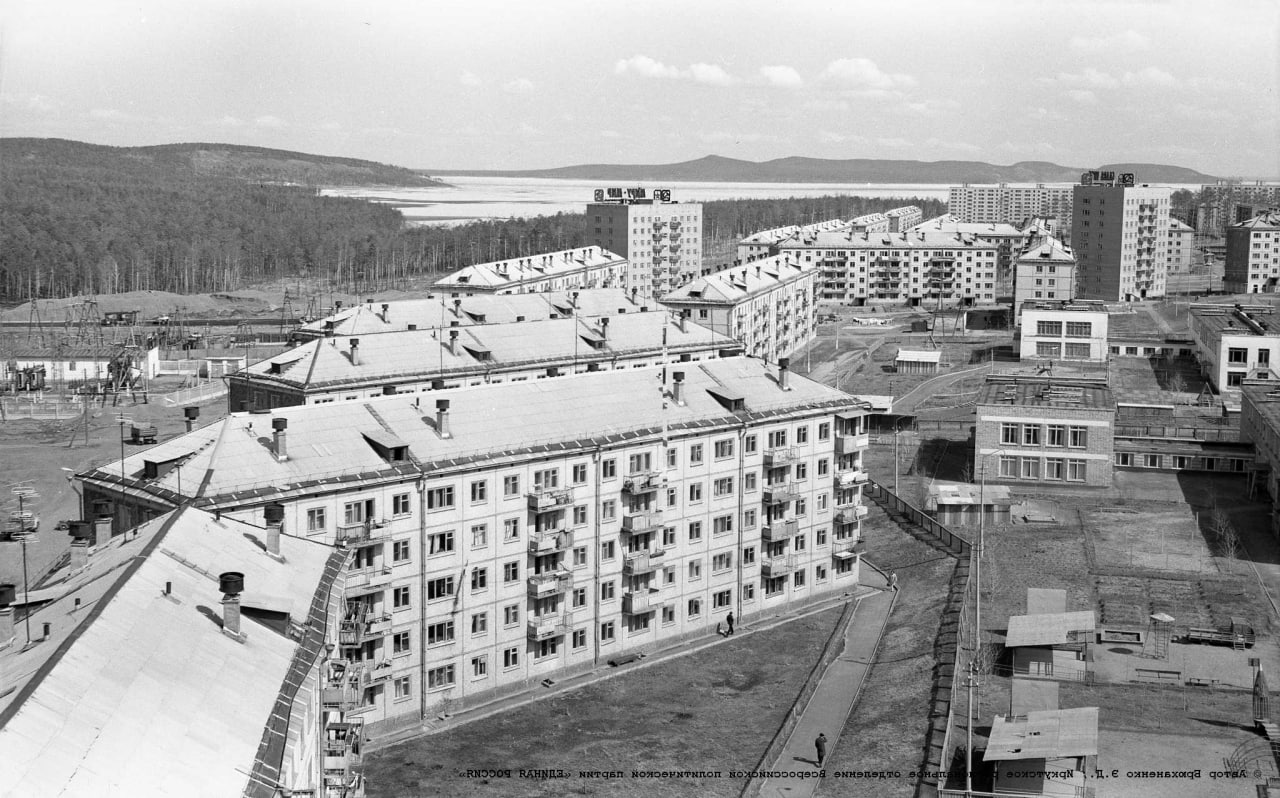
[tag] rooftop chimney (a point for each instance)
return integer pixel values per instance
(442, 418)
(369, 301)
(385, 312)
(231, 584)
(677, 387)
(79, 555)
(453, 342)
(7, 594)
(278, 440)
(784, 363)
(355, 351)
(413, 326)
(191, 414)
(273, 514)
(604, 328)
(457, 307)
(337, 305)
(328, 329)
(682, 320)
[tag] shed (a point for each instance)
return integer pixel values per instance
(1043, 752)
(962, 504)
(1051, 645)
(917, 361)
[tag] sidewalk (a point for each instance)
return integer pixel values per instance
(834, 698)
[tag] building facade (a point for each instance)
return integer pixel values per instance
(661, 240)
(532, 529)
(1226, 203)
(1180, 246)
(585, 267)
(1260, 426)
(1009, 204)
(1044, 272)
(1234, 344)
(1119, 235)
(1253, 255)
(1056, 331)
(904, 218)
(769, 305)
(1045, 431)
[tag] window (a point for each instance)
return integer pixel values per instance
(1030, 434)
(823, 467)
(400, 598)
(1235, 378)
(1048, 349)
(608, 510)
(440, 543)
(722, 487)
(1053, 468)
(1008, 466)
(695, 570)
(438, 588)
(799, 578)
(802, 434)
(1048, 328)
(1078, 351)
(802, 471)
(579, 597)
(511, 615)
(479, 536)
(1030, 468)
(824, 430)
(668, 614)
(724, 448)
(1151, 460)
(607, 592)
(546, 479)
(356, 512)
(722, 599)
(511, 657)
(479, 491)
(315, 520)
(668, 576)
(1079, 437)
(480, 579)
(1009, 433)
(606, 632)
(673, 457)
(404, 684)
(748, 555)
(580, 556)
(579, 515)
(579, 473)
(721, 562)
(440, 498)
(695, 454)
(547, 648)
(1075, 470)
(440, 633)
(608, 469)
(695, 607)
(400, 551)
(608, 550)
(511, 572)
(819, 573)
(802, 507)
(479, 667)
(695, 531)
(400, 643)
(774, 586)
(749, 444)
(1237, 355)
(579, 638)
(749, 590)
(1079, 329)
(511, 529)
(511, 486)
(695, 492)
(1124, 458)
(479, 623)
(748, 519)
(1057, 435)
(639, 463)
(777, 439)
(749, 480)
(722, 525)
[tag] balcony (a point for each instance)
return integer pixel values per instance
(645, 482)
(546, 627)
(849, 444)
(781, 456)
(642, 562)
(544, 499)
(362, 531)
(550, 541)
(777, 566)
(642, 521)
(341, 688)
(549, 584)
(356, 628)
(369, 578)
(780, 530)
(638, 602)
(781, 493)
(342, 745)
(850, 513)
(851, 478)
(847, 549)
(378, 673)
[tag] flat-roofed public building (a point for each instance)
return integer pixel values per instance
(503, 534)
(1235, 343)
(1056, 331)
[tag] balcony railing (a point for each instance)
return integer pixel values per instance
(342, 684)
(851, 478)
(549, 584)
(777, 566)
(843, 549)
(546, 627)
(637, 602)
(781, 456)
(549, 541)
(378, 673)
(642, 562)
(781, 493)
(372, 577)
(541, 500)
(851, 513)
(642, 521)
(361, 531)
(780, 530)
(848, 444)
(645, 482)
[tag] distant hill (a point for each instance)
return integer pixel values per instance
(249, 164)
(715, 168)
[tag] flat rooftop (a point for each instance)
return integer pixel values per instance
(739, 283)
(1046, 734)
(1255, 320)
(512, 271)
(1047, 392)
(1049, 628)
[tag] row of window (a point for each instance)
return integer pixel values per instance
(1057, 349)
(1075, 329)
(1048, 468)
(1056, 435)
(1180, 462)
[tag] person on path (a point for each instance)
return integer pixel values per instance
(730, 620)
(821, 744)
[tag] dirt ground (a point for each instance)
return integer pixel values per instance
(716, 710)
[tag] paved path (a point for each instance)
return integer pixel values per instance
(835, 696)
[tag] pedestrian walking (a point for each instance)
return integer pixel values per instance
(821, 744)
(730, 620)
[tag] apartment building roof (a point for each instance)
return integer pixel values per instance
(739, 283)
(915, 238)
(444, 308)
(1048, 250)
(903, 211)
(1179, 226)
(948, 224)
(1043, 735)
(1236, 319)
(533, 267)
(242, 459)
(1064, 305)
(143, 693)
(1047, 392)
(772, 236)
(1265, 398)
(425, 353)
(1267, 220)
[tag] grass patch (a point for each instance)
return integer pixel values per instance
(713, 710)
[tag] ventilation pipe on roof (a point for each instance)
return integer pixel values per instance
(412, 327)
(574, 300)
(273, 514)
(784, 365)
(677, 387)
(328, 328)
(191, 414)
(386, 312)
(337, 305)
(355, 351)
(682, 320)
(453, 342)
(7, 594)
(604, 328)
(231, 584)
(442, 418)
(457, 308)
(278, 441)
(369, 300)
(79, 555)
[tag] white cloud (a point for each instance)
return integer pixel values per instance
(831, 137)
(1083, 96)
(821, 104)
(269, 122)
(469, 79)
(863, 73)
(1151, 76)
(111, 115)
(721, 136)
(784, 77)
(952, 146)
(610, 134)
(894, 143)
(645, 67)
(1122, 40)
(40, 103)
(710, 74)
(931, 107)
(518, 86)
(231, 121)
(1089, 77)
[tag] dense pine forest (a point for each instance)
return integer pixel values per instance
(198, 218)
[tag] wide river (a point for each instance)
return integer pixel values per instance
(471, 198)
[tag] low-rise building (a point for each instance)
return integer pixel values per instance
(770, 305)
(904, 218)
(1046, 752)
(1045, 431)
(1169, 437)
(1260, 426)
(1044, 272)
(1180, 246)
(1050, 642)
(966, 504)
(1235, 343)
(1055, 331)
(522, 530)
(1253, 255)
(185, 657)
(32, 367)
(917, 361)
(584, 267)
(346, 368)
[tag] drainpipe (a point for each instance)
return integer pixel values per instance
(742, 466)
(422, 596)
(595, 602)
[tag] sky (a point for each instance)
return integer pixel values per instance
(505, 84)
